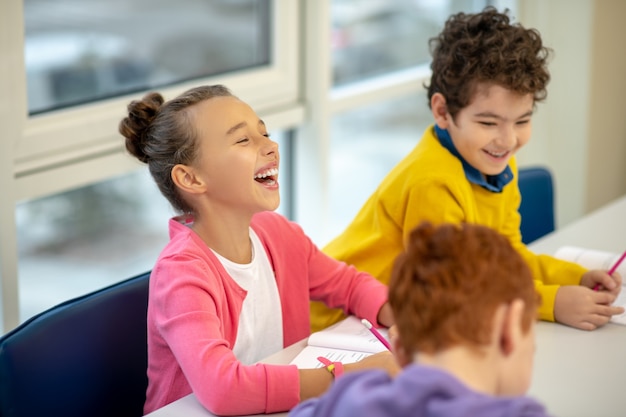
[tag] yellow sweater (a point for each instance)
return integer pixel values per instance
(430, 184)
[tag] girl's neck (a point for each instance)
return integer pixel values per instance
(231, 239)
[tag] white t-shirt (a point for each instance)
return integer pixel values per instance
(260, 331)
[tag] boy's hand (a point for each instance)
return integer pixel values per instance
(581, 307)
(602, 280)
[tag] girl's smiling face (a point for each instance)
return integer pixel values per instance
(491, 129)
(236, 158)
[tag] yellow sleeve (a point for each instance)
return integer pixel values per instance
(549, 274)
(377, 235)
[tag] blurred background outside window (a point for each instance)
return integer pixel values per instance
(370, 39)
(81, 240)
(375, 37)
(82, 51)
(366, 143)
(79, 51)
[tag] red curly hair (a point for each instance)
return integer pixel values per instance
(447, 284)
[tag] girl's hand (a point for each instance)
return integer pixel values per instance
(383, 360)
(385, 315)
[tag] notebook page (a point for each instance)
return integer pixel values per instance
(347, 341)
(349, 334)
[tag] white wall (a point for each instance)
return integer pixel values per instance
(579, 131)
(606, 163)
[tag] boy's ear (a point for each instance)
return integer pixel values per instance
(398, 351)
(511, 326)
(185, 178)
(439, 108)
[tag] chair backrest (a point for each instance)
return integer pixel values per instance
(537, 207)
(84, 357)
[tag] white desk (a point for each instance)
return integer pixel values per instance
(604, 229)
(577, 373)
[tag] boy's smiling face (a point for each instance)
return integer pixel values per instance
(488, 132)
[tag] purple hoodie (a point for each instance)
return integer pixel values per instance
(418, 391)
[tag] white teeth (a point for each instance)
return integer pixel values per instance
(497, 154)
(268, 173)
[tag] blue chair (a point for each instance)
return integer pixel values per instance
(537, 206)
(84, 357)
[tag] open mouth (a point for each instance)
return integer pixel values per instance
(267, 177)
(501, 154)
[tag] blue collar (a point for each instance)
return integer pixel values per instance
(493, 183)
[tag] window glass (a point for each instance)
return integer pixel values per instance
(374, 37)
(365, 145)
(78, 51)
(81, 240)
(75, 242)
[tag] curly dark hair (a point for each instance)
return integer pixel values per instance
(486, 47)
(161, 134)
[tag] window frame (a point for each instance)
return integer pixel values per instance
(87, 134)
(59, 150)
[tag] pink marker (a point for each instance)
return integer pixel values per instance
(613, 269)
(376, 333)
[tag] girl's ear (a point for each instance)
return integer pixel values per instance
(185, 178)
(439, 108)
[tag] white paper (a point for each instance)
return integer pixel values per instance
(347, 341)
(307, 358)
(349, 334)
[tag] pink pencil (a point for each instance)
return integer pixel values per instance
(376, 333)
(613, 269)
(619, 261)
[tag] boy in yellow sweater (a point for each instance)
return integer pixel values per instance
(487, 75)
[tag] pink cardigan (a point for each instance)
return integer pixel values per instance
(193, 314)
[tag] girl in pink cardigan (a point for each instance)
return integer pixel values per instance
(234, 283)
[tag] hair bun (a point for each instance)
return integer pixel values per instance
(135, 126)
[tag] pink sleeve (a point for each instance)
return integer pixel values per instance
(303, 269)
(341, 286)
(194, 312)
